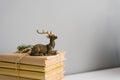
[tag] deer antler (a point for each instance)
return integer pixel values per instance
(43, 32)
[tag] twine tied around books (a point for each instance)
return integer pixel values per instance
(18, 63)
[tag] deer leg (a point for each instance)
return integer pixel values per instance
(45, 54)
(49, 50)
(42, 54)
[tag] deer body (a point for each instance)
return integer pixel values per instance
(40, 49)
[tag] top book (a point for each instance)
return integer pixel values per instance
(33, 60)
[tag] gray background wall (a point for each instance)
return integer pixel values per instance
(85, 29)
(115, 24)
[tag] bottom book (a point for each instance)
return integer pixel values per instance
(5, 77)
(33, 74)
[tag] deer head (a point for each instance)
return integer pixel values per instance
(50, 34)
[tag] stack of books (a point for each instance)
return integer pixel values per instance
(31, 67)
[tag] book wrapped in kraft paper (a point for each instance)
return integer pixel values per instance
(33, 60)
(51, 75)
(31, 67)
(5, 77)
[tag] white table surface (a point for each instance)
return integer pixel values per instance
(107, 74)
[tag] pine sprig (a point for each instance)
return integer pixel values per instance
(22, 47)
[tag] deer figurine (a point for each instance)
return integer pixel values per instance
(40, 49)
